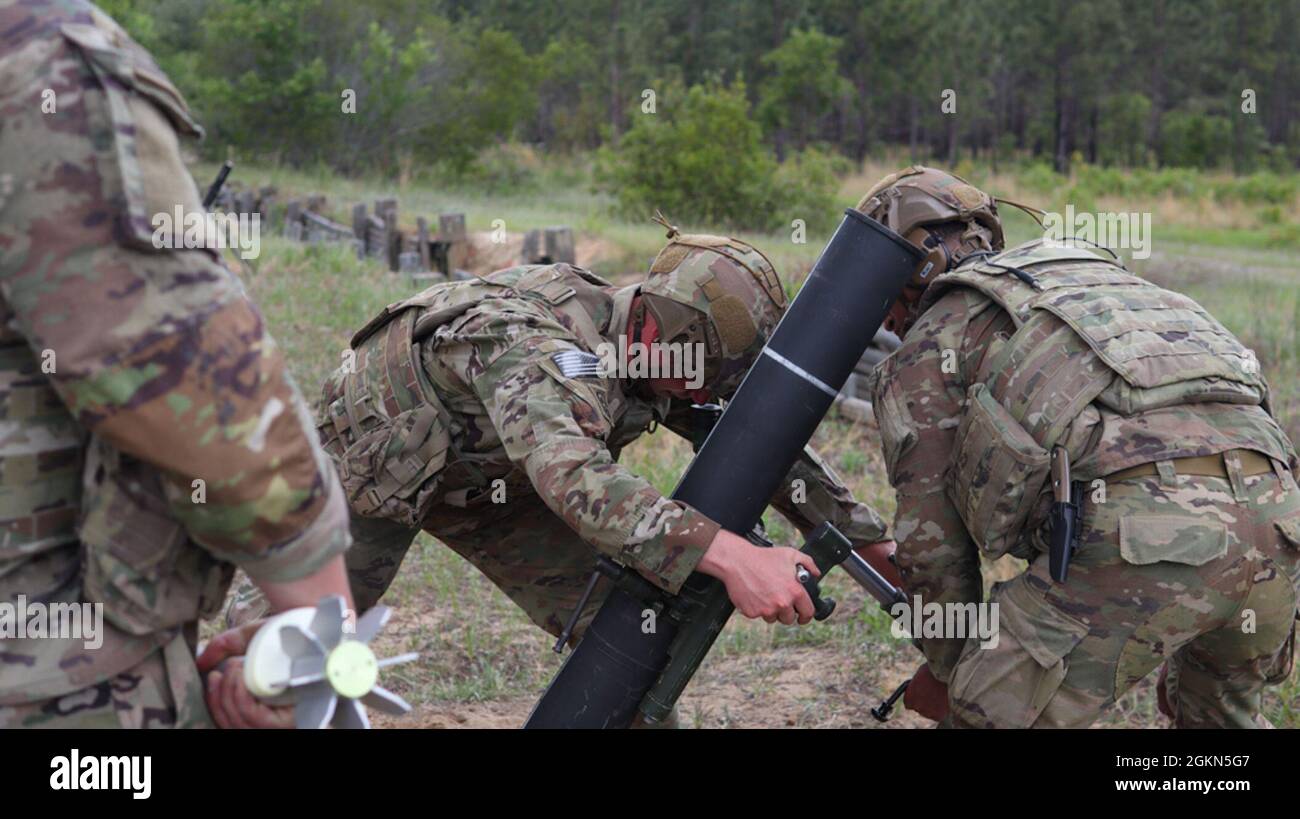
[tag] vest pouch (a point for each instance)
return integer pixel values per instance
(996, 473)
(137, 560)
(381, 421)
(391, 470)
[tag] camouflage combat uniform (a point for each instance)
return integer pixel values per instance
(1191, 517)
(471, 429)
(151, 437)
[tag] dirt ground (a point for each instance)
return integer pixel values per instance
(805, 687)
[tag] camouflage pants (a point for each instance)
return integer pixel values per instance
(522, 547)
(163, 691)
(1200, 573)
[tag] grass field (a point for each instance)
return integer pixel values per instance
(483, 664)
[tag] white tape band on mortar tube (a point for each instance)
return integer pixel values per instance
(800, 371)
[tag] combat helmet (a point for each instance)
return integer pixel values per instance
(716, 291)
(913, 202)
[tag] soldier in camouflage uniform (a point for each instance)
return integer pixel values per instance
(480, 412)
(1190, 548)
(152, 439)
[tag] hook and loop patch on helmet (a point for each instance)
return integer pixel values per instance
(732, 318)
(718, 292)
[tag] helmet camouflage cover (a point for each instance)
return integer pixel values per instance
(913, 200)
(715, 291)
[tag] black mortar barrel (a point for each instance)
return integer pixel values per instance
(743, 462)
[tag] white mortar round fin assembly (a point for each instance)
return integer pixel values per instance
(305, 657)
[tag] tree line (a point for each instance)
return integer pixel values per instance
(1140, 83)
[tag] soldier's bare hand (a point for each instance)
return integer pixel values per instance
(761, 582)
(879, 556)
(926, 695)
(231, 704)
(230, 643)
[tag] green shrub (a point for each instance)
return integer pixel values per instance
(1184, 182)
(1262, 188)
(1039, 177)
(806, 187)
(701, 160)
(507, 168)
(1195, 139)
(1271, 215)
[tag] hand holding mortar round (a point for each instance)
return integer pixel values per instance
(304, 656)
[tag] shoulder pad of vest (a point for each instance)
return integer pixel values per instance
(439, 303)
(589, 277)
(544, 272)
(1041, 251)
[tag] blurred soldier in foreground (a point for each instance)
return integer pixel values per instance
(152, 439)
(491, 413)
(1190, 517)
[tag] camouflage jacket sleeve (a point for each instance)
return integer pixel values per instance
(811, 493)
(918, 398)
(555, 428)
(157, 352)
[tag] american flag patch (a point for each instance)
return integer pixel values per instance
(577, 364)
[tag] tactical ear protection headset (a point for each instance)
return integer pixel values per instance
(938, 258)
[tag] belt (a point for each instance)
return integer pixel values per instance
(1207, 466)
